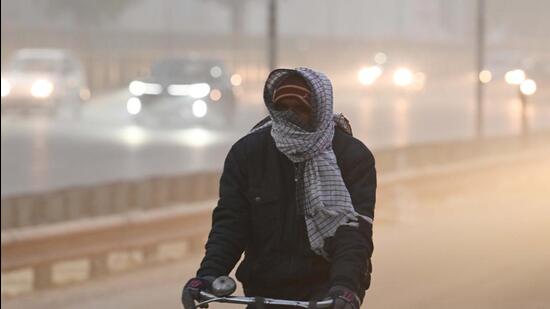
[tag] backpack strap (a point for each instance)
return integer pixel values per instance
(343, 123)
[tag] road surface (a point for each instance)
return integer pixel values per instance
(105, 145)
(473, 238)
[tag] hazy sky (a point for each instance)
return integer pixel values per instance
(432, 20)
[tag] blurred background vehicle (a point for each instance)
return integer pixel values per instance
(180, 92)
(389, 74)
(45, 79)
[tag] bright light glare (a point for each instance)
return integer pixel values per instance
(402, 77)
(215, 95)
(369, 75)
(42, 88)
(528, 87)
(485, 76)
(515, 77)
(133, 135)
(236, 80)
(138, 88)
(197, 91)
(178, 90)
(199, 108)
(6, 88)
(196, 137)
(380, 58)
(133, 106)
(216, 71)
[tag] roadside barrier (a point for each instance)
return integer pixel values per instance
(103, 199)
(80, 250)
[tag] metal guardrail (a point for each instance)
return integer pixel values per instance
(54, 255)
(106, 199)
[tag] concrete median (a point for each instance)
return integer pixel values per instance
(106, 199)
(58, 254)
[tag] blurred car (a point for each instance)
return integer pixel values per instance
(43, 79)
(389, 75)
(181, 91)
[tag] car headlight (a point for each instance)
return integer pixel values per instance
(6, 88)
(198, 91)
(42, 88)
(133, 106)
(403, 77)
(199, 108)
(528, 87)
(369, 75)
(139, 88)
(136, 88)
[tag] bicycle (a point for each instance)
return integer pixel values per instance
(224, 286)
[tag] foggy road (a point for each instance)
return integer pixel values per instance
(440, 242)
(106, 144)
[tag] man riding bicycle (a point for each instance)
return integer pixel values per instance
(297, 196)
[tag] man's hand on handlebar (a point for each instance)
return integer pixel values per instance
(344, 298)
(207, 289)
(198, 284)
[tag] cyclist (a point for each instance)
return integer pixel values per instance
(297, 196)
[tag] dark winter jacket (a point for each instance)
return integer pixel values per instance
(257, 214)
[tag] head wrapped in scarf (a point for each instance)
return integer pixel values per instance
(321, 193)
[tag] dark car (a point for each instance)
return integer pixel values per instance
(182, 92)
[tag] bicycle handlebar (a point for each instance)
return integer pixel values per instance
(244, 300)
(223, 287)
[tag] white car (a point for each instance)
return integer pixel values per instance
(44, 79)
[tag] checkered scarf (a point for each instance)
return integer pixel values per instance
(320, 190)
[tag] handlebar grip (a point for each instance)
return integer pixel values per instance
(259, 302)
(312, 304)
(187, 299)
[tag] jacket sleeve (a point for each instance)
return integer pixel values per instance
(352, 247)
(230, 222)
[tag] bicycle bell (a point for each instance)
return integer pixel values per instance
(223, 286)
